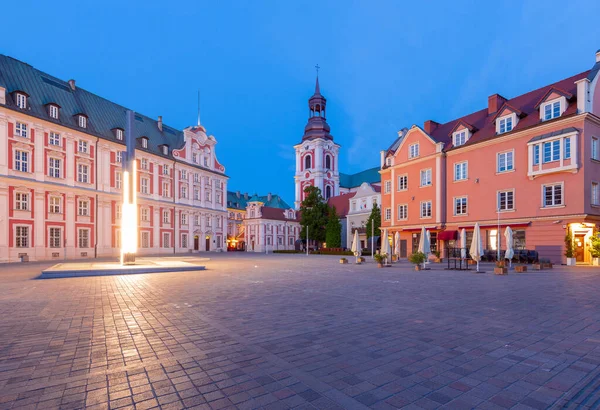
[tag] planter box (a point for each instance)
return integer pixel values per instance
(546, 266)
(536, 266)
(595, 261)
(571, 261)
(343, 261)
(501, 271)
(361, 259)
(394, 258)
(471, 262)
(380, 265)
(418, 267)
(521, 268)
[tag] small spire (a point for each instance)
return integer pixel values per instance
(317, 88)
(198, 107)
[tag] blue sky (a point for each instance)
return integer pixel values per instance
(384, 65)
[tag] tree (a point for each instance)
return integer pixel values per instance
(314, 212)
(374, 218)
(333, 230)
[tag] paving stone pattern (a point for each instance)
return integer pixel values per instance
(290, 331)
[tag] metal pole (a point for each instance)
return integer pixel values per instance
(498, 233)
(306, 240)
(372, 235)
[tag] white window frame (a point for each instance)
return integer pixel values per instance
(22, 236)
(54, 167)
(166, 170)
(166, 189)
(426, 206)
(119, 157)
(118, 212)
(83, 173)
(505, 155)
(195, 157)
(428, 177)
(53, 111)
(144, 186)
(499, 201)
(144, 142)
(461, 171)
(402, 212)
(183, 219)
(83, 207)
(22, 201)
(387, 186)
(21, 160)
(166, 217)
(413, 150)
(387, 214)
(144, 163)
(403, 182)
(554, 203)
(506, 124)
(166, 240)
(54, 204)
(460, 137)
(83, 146)
(82, 121)
(21, 129)
(183, 174)
(119, 134)
(54, 139)
(55, 237)
(21, 100)
(549, 109)
(83, 238)
(595, 193)
(595, 148)
(463, 210)
(165, 150)
(145, 239)
(145, 214)
(554, 150)
(118, 179)
(183, 192)
(184, 240)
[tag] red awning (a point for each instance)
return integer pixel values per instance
(490, 226)
(447, 235)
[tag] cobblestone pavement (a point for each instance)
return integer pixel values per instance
(279, 331)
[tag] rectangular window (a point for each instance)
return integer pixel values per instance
(208, 221)
(119, 134)
(144, 163)
(54, 167)
(196, 177)
(536, 154)
(184, 219)
(83, 208)
(426, 177)
(22, 237)
(207, 195)
(460, 138)
(505, 161)
(21, 101)
(553, 195)
(388, 214)
(183, 192)
(506, 125)
(426, 209)
(82, 173)
(21, 130)
(402, 212)
(595, 193)
(145, 214)
(21, 201)
(595, 154)
(166, 239)
(197, 194)
(144, 182)
(402, 182)
(460, 206)
(119, 156)
(552, 110)
(82, 146)
(82, 121)
(460, 171)
(84, 238)
(166, 190)
(166, 217)
(184, 240)
(567, 148)
(53, 111)
(195, 158)
(145, 239)
(54, 138)
(388, 186)
(413, 150)
(184, 174)
(551, 151)
(118, 212)
(506, 201)
(118, 179)
(22, 161)
(144, 143)
(165, 170)
(54, 238)
(54, 205)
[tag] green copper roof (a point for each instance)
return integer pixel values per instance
(235, 202)
(370, 176)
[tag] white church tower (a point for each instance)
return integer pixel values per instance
(317, 154)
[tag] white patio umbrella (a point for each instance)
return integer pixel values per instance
(508, 234)
(397, 244)
(424, 245)
(385, 244)
(356, 246)
(463, 243)
(476, 247)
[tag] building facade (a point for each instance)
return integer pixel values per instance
(270, 225)
(61, 178)
(236, 213)
(531, 162)
(361, 205)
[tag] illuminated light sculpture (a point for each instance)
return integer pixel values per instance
(129, 221)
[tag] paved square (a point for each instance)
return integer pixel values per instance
(279, 331)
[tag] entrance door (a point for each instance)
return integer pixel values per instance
(415, 242)
(207, 243)
(580, 248)
(403, 246)
(196, 243)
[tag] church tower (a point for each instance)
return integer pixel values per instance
(317, 154)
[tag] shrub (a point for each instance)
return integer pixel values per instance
(417, 258)
(379, 257)
(595, 248)
(569, 245)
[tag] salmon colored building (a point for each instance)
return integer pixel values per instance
(531, 162)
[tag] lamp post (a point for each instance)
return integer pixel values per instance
(129, 228)
(306, 240)
(498, 233)
(372, 238)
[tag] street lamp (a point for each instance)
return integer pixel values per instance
(498, 233)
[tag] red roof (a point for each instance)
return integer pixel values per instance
(275, 213)
(341, 203)
(484, 125)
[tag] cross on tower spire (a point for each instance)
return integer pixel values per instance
(317, 68)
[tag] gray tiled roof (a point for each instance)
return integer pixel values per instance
(370, 175)
(103, 115)
(240, 203)
(553, 134)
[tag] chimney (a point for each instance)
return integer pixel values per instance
(238, 194)
(2, 95)
(381, 159)
(160, 122)
(269, 197)
(430, 126)
(246, 196)
(72, 84)
(494, 103)
(598, 56)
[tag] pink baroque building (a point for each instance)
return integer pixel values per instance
(60, 174)
(531, 162)
(270, 224)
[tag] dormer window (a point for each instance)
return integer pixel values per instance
(21, 100)
(119, 134)
(53, 111)
(144, 142)
(459, 138)
(551, 110)
(82, 121)
(388, 161)
(413, 150)
(165, 150)
(505, 124)
(194, 158)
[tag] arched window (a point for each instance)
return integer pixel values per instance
(327, 192)
(307, 162)
(327, 162)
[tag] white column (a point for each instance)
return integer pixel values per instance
(530, 159)
(4, 234)
(561, 151)
(155, 177)
(70, 160)
(38, 158)
(70, 224)
(298, 161)
(438, 190)
(574, 143)
(214, 194)
(103, 158)
(203, 181)
(319, 157)
(156, 227)
(4, 151)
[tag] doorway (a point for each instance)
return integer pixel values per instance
(580, 247)
(196, 242)
(403, 248)
(207, 243)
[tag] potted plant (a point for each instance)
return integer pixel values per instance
(417, 258)
(501, 268)
(343, 260)
(569, 249)
(546, 264)
(380, 259)
(520, 268)
(595, 250)
(537, 265)
(436, 257)
(361, 259)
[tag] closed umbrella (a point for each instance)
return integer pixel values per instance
(385, 244)
(424, 245)
(397, 244)
(476, 247)
(463, 243)
(356, 246)
(508, 234)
